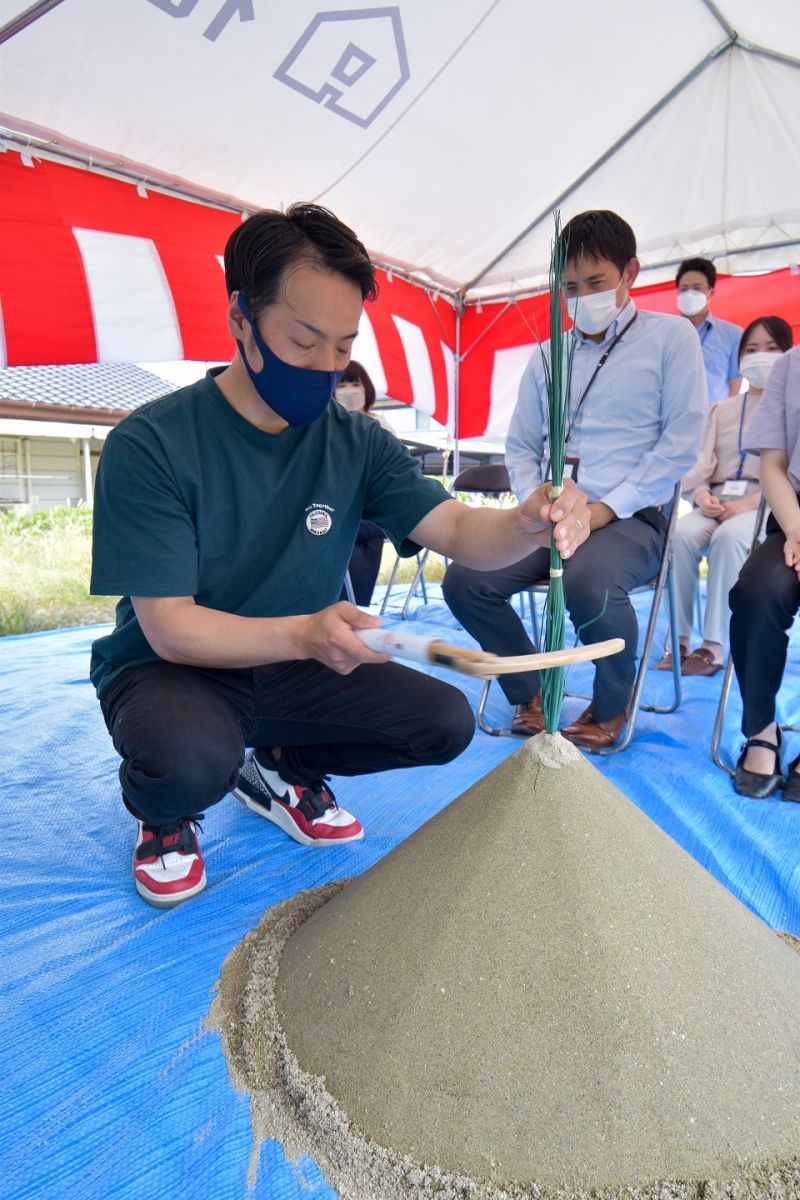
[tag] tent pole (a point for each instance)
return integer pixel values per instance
(457, 388)
(26, 18)
(86, 462)
(528, 292)
(508, 304)
(604, 157)
(723, 20)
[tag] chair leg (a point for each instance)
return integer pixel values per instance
(664, 579)
(698, 607)
(677, 681)
(422, 581)
(534, 619)
(390, 584)
(716, 736)
(421, 561)
(480, 715)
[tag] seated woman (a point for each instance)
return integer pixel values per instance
(767, 594)
(723, 485)
(355, 391)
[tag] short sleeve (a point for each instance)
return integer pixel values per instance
(144, 538)
(398, 495)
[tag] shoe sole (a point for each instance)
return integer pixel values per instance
(278, 817)
(162, 900)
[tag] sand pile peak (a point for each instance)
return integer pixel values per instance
(541, 986)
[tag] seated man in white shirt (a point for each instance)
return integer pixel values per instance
(636, 409)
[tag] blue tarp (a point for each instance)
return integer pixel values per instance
(111, 1088)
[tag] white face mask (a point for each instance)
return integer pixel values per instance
(756, 366)
(351, 396)
(692, 302)
(595, 312)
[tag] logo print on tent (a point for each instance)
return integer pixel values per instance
(353, 62)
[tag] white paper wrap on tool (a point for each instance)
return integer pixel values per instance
(412, 646)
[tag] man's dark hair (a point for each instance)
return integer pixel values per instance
(599, 233)
(703, 265)
(355, 373)
(779, 330)
(260, 250)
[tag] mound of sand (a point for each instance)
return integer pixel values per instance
(540, 986)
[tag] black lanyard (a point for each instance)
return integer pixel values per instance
(595, 373)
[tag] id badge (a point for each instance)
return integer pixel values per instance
(571, 463)
(734, 487)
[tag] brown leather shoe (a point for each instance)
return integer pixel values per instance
(665, 662)
(700, 662)
(585, 731)
(529, 718)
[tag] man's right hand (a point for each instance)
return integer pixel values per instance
(328, 637)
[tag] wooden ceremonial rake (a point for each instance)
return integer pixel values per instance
(478, 663)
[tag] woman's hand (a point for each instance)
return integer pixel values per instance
(791, 550)
(708, 504)
(732, 508)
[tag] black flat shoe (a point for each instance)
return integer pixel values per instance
(791, 789)
(753, 783)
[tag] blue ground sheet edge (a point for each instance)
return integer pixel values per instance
(112, 1087)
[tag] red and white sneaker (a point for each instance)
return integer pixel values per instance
(310, 814)
(167, 863)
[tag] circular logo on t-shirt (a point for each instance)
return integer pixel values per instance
(318, 521)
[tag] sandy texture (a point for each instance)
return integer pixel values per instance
(537, 986)
(295, 1108)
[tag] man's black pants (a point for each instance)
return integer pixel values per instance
(182, 731)
(597, 579)
(763, 603)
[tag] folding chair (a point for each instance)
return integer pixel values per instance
(416, 450)
(727, 678)
(664, 579)
(486, 479)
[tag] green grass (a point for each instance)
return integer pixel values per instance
(45, 561)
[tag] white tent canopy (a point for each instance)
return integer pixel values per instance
(444, 131)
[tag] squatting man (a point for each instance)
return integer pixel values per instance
(225, 516)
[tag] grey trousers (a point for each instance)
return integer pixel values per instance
(610, 563)
(727, 545)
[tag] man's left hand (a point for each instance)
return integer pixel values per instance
(569, 512)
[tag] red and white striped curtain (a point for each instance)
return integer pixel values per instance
(94, 269)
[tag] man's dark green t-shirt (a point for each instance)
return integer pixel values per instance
(193, 500)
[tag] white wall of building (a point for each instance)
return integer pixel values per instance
(38, 470)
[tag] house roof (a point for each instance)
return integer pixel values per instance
(93, 387)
